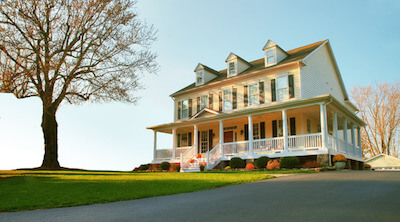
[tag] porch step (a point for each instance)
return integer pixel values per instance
(190, 170)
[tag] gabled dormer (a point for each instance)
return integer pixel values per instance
(273, 54)
(236, 65)
(204, 74)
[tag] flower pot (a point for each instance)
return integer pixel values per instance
(340, 165)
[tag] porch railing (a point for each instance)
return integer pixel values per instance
(181, 150)
(236, 148)
(305, 142)
(164, 154)
(214, 155)
(268, 145)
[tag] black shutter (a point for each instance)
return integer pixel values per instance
(273, 91)
(246, 96)
(190, 108)
(210, 101)
(198, 142)
(198, 104)
(178, 139)
(234, 98)
(246, 131)
(262, 130)
(210, 139)
(261, 91)
(291, 86)
(274, 129)
(179, 110)
(220, 100)
(189, 139)
(292, 126)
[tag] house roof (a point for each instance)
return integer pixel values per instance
(393, 159)
(205, 110)
(293, 55)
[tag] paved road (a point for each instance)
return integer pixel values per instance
(332, 196)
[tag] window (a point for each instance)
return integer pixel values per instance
(184, 140)
(282, 88)
(185, 109)
(203, 101)
(227, 99)
(253, 94)
(232, 68)
(280, 128)
(199, 78)
(256, 131)
(270, 56)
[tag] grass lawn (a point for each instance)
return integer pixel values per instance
(27, 190)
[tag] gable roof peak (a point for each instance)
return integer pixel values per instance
(206, 68)
(269, 44)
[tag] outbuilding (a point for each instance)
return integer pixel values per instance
(384, 162)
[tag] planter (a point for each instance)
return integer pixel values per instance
(340, 165)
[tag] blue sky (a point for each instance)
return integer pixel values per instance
(113, 136)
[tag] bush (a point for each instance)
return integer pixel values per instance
(250, 166)
(339, 158)
(290, 162)
(143, 167)
(311, 164)
(237, 162)
(165, 166)
(261, 162)
(274, 165)
(178, 168)
(202, 167)
(227, 168)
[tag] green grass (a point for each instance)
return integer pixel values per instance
(27, 190)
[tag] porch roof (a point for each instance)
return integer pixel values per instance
(291, 104)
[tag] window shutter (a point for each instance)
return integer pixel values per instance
(292, 126)
(246, 131)
(198, 142)
(210, 101)
(262, 130)
(246, 96)
(190, 108)
(210, 139)
(234, 98)
(291, 86)
(261, 91)
(198, 104)
(179, 110)
(220, 100)
(273, 91)
(189, 139)
(274, 128)
(178, 139)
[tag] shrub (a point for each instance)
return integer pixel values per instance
(290, 162)
(178, 168)
(250, 166)
(237, 162)
(227, 168)
(165, 166)
(273, 165)
(143, 167)
(261, 162)
(202, 167)
(339, 158)
(311, 164)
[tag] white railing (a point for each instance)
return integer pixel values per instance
(181, 150)
(164, 154)
(304, 142)
(187, 157)
(236, 148)
(268, 145)
(331, 143)
(340, 146)
(213, 156)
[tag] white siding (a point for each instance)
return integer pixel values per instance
(319, 77)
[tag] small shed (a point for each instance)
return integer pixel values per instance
(384, 162)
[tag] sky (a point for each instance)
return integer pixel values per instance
(112, 136)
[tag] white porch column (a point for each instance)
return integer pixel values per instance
(155, 146)
(346, 140)
(195, 140)
(173, 143)
(285, 131)
(324, 125)
(335, 131)
(221, 136)
(359, 140)
(250, 125)
(353, 138)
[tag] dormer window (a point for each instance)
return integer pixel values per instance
(200, 78)
(231, 69)
(270, 56)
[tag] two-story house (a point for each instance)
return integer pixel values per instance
(289, 103)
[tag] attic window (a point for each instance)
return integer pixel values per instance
(270, 56)
(231, 69)
(200, 78)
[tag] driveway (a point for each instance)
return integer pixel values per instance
(331, 196)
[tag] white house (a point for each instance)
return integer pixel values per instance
(384, 162)
(288, 103)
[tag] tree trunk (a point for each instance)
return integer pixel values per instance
(49, 127)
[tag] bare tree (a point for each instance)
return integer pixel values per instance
(379, 106)
(74, 51)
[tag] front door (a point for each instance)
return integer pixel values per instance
(228, 136)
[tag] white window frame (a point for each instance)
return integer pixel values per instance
(287, 97)
(256, 131)
(225, 101)
(229, 69)
(206, 101)
(200, 73)
(187, 110)
(258, 93)
(273, 50)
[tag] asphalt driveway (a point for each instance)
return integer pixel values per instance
(332, 196)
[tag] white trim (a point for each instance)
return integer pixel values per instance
(256, 82)
(202, 74)
(223, 98)
(205, 110)
(311, 53)
(229, 74)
